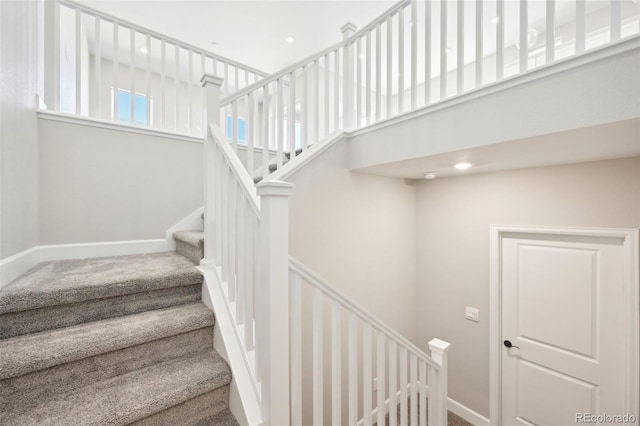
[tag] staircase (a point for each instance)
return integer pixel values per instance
(117, 340)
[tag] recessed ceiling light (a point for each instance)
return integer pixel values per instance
(463, 166)
(144, 50)
(429, 175)
(289, 39)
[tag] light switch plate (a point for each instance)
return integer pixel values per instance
(472, 314)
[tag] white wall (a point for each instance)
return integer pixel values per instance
(106, 185)
(18, 127)
(453, 218)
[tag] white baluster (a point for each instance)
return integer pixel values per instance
(234, 126)
(389, 65)
(336, 88)
(317, 358)
(251, 244)
(177, 83)
(97, 68)
(349, 121)
(367, 119)
(315, 96)
(291, 115)
(380, 374)
(280, 122)
(148, 84)
(163, 86)
(479, 41)
(524, 30)
(115, 71)
(353, 370)
(393, 380)
(460, 49)
(190, 92)
(327, 92)
(403, 386)
(500, 40)
(265, 131)
(422, 367)
(414, 54)
(550, 32)
(304, 102)
(296, 349)
(366, 374)
(336, 365)
(78, 37)
(401, 61)
(413, 380)
(378, 73)
(427, 52)
(249, 131)
(241, 256)
(443, 49)
(359, 58)
(52, 54)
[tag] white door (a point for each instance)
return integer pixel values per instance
(565, 314)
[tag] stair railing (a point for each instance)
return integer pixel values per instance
(396, 376)
(118, 71)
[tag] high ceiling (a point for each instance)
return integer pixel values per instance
(252, 32)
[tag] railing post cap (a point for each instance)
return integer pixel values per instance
(348, 27)
(439, 345)
(275, 188)
(211, 79)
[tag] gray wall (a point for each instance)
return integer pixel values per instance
(106, 185)
(18, 127)
(454, 215)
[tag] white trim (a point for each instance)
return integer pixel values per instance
(16, 265)
(192, 222)
(305, 157)
(570, 63)
(454, 406)
(112, 125)
(214, 297)
(630, 239)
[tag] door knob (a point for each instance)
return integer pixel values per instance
(508, 344)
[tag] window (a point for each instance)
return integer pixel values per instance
(242, 127)
(140, 106)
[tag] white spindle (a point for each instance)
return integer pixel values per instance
(280, 122)
(378, 73)
(190, 92)
(265, 131)
(368, 80)
(115, 71)
(336, 365)
(616, 15)
(432, 401)
(389, 65)
(176, 91)
(249, 132)
(427, 52)
(148, 83)
(380, 374)
(403, 386)
(226, 78)
(443, 49)
(353, 370)
(224, 219)
(291, 115)
(414, 53)
(401, 60)
(78, 47)
(422, 367)
(218, 189)
(439, 350)
(336, 88)
(241, 255)
(231, 211)
(393, 383)
(327, 93)
(236, 78)
(304, 102)
(315, 112)
(550, 31)
(460, 49)
(234, 126)
(317, 358)
(252, 232)
(580, 25)
(163, 85)
(273, 110)
(296, 350)
(359, 82)
(366, 374)
(500, 39)
(132, 75)
(524, 29)
(97, 67)
(413, 377)
(479, 41)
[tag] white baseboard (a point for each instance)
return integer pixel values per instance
(16, 265)
(191, 222)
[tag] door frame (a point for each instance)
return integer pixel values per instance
(630, 239)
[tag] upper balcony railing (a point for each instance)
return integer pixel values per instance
(417, 54)
(102, 67)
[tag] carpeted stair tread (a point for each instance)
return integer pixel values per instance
(72, 281)
(129, 397)
(223, 418)
(193, 238)
(24, 354)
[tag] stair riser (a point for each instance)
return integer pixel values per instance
(194, 412)
(195, 254)
(37, 320)
(76, 374)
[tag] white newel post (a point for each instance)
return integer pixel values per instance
(52, 54)
(348, 30)
(272, 302)
(437, 393)
(210, 115)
